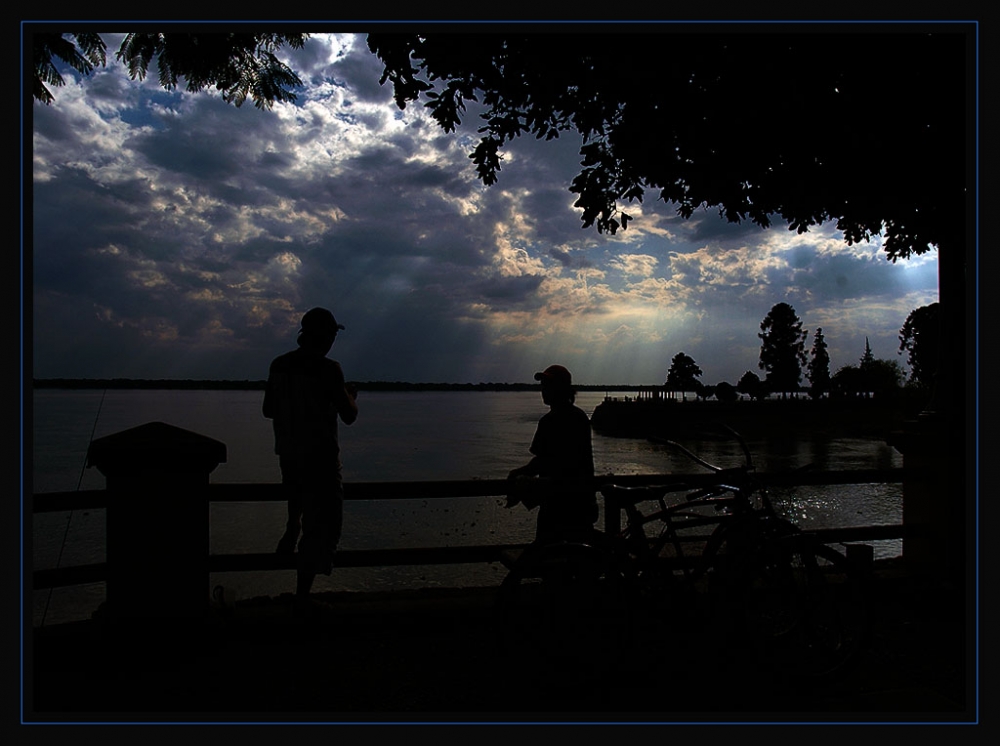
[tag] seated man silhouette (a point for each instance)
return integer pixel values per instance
(563, 456)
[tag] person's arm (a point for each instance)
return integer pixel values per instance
(517, 493)
(525, 491)
(267, 408)
(344, 398)
(530, 469)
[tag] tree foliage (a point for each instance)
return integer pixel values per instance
(82, 52)
(688, 112)
(920, 338)
(691, 115)
(868, 358)
(704, 391)
(726, 392)
(238, 65)
(818, 369)
(751, 385)
(877, 378)
(683, 374)
(782, 348)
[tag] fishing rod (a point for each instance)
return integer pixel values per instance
(79, 482)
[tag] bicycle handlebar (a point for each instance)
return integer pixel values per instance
(743, 445)
(748, 457)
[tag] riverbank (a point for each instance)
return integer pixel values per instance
(433, 655)
(693, 419)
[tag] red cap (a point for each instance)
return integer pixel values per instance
(555, 374)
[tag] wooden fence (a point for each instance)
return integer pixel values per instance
(431, 490)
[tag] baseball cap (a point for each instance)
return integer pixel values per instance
(319, 321)
(555, 374)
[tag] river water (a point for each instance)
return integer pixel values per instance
(399, 436)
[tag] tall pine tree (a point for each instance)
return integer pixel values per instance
(818, 370)
(782, 348)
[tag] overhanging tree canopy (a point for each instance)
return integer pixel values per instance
(920, 338)
(239, 65)
(801, 122)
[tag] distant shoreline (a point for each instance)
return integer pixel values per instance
(673, 419)
(258, 385)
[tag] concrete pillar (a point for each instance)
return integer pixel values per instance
(157, 520)
(934, 502)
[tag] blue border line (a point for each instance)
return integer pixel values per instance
(21, 379)
(975, 415)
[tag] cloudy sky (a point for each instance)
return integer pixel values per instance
(176, 236)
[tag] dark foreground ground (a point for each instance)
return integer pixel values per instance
(433, 656)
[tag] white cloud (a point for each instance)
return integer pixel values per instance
(642, 265)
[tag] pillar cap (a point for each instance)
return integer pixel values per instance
(155, 446)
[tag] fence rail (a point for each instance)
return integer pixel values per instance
(270, 492)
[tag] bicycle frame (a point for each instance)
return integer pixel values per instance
(735, 498)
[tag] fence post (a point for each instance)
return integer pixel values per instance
(157, 520)
(934, 543)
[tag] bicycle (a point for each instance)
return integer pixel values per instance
(754, 583)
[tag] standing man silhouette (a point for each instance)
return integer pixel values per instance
(305, 395)
(563, 453)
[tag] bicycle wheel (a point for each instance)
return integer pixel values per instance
(802, 607)
(564, 604)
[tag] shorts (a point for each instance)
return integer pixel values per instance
(318, 491)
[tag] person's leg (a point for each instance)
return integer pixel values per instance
(546, 527)
(306, 558)
(322, 520)
(293, 525)
(290, 480)
(303, 581)
(310, 546)
(336, 514)
(286, 544)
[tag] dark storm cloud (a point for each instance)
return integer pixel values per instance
(848, 276)
(707, 226)
(108, 89)
(74, 217)
(425, 347)
(53, 125)
(569, 260)
(544, 171)
(207, 143)
(509, 291)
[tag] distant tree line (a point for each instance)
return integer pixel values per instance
(784, 359)
(206, 384)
